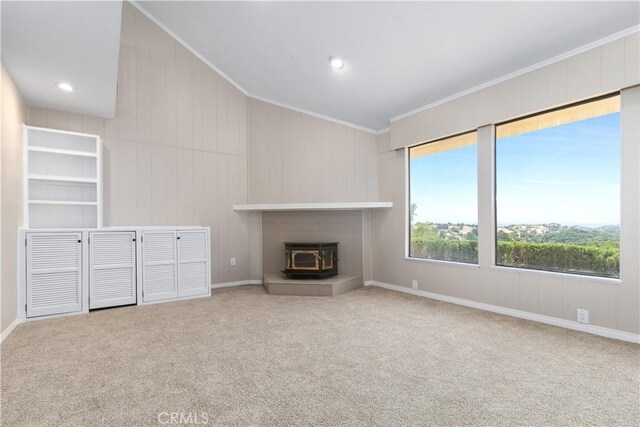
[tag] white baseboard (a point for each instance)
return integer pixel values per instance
(9, 329)
(563, 323)
(236, 283)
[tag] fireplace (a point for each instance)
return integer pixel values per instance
(311, 260)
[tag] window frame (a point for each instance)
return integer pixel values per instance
(581, 275)
(408, 255)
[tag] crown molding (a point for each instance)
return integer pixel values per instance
(311, 113)
(501, 79)
(135, 4)
(608, 39)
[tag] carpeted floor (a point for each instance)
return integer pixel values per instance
(367, 357)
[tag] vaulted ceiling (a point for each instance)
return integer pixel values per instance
(398, 55)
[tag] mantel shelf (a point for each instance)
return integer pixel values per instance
(348, 206)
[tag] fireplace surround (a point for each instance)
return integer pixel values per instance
(311, 260)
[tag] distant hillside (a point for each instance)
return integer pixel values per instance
(552, 247)
(536, 233)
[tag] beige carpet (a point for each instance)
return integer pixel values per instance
(367, 357)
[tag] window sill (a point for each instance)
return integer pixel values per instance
(591, 279)
(439, 261)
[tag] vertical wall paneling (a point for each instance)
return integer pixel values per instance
(597, 71)
(628, 295)
(294, 157)
(14, 115)
(176, 150)
(611, 67)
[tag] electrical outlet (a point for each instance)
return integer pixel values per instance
(232, 261)
(583, 315)
(414, 284)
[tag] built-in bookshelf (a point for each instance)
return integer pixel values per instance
(63, 184)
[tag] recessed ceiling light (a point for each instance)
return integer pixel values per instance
(65, 87)
(336, 63)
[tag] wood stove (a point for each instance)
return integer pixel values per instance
(311, 260)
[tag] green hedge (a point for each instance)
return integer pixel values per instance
(561, 257)
(447, 250)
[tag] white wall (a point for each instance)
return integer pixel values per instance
(13, 114)
(617, 306)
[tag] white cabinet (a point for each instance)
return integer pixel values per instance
(175, 264)
(159, 265)
(193, 262)
(76, 270)
(53, 273)
(112, 268)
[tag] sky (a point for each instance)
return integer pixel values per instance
(568, 174)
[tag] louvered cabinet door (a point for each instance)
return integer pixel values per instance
(193, 260)
(54, 273)
(112, 269)
(159, 260)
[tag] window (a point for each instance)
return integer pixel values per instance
(443, 199)
(558, 190)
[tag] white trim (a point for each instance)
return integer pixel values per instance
(443, 262)
(66, 132)
(573, 52)
(236, 283)
(313, 206)
(162, 301)
(563, 323)
(135, 4)
(61, 202)
(63, 152)
(62, 178)
(9, 329)
(525, 70)
(53, 316)
(317, 115)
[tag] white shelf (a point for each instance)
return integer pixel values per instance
(65, 152)
(61, 202)
(313, 206)
(62, 178)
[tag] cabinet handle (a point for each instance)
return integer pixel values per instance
(79, 241)
(178, 237)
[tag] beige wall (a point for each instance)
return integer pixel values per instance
(597, 71)
(175, 153)
(344, 227)
(617, 306)
(13, 117)
(297, 158)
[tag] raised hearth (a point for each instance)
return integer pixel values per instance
(279, 284)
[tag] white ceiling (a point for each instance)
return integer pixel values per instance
(399, 55)
(44, 43)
